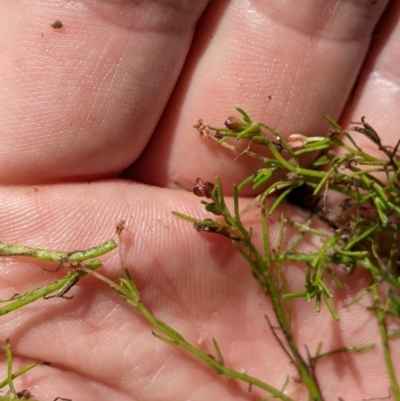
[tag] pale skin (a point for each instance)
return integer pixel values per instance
(89, 103)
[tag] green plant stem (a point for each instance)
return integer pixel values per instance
(62, 285)
(305, 372)
(261, 268)
(9, 368)
(56, 256)
(272, 288)
(17, 374)
(10, 375)
(128, 291)
(352, 348)
(380, 315)
(176, 339)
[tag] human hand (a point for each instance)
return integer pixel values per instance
(116, 92)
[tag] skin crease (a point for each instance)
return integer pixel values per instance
(115, 93)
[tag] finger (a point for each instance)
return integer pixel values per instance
(285, 63)
(376, 96)
(82, 101)
(196, 283)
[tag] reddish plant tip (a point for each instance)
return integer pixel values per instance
(297, 141)
(203, 188)
(235, 124)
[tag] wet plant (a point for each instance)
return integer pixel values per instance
(361, 233)
(369, 211)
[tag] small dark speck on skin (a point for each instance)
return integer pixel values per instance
(269, 97)
(57, 24)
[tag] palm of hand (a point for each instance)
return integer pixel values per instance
(106, 94)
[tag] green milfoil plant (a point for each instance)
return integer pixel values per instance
(368, 212)
(360, 233)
